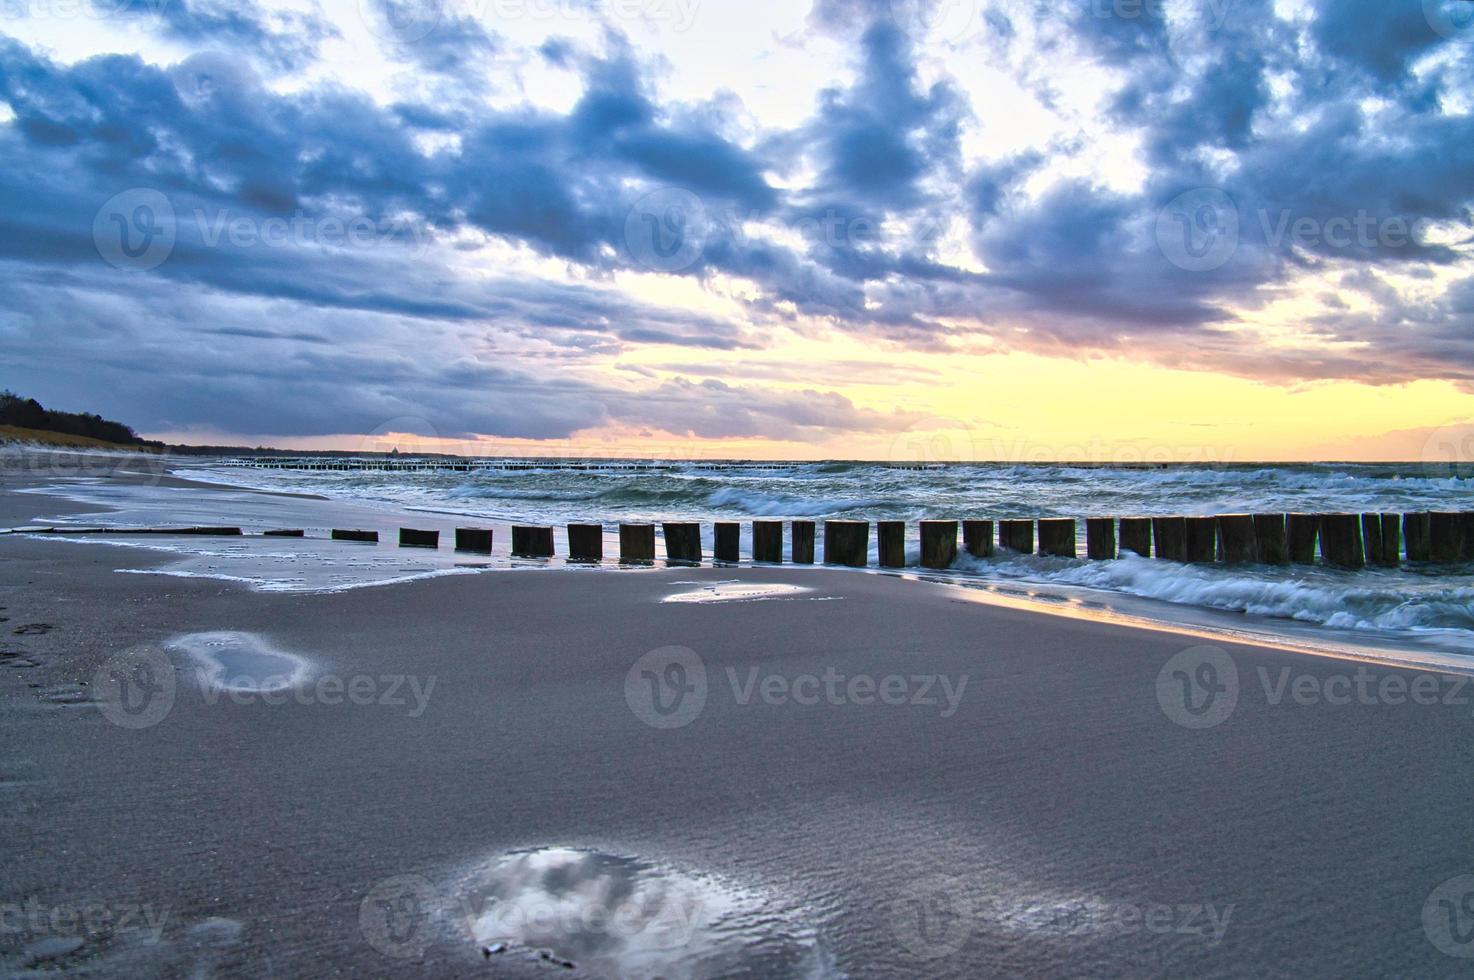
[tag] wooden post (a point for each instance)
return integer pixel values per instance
(371, 537)
(1466, 520)
(1415, 532)
(586, 542)
(1300, 534)
(285, 533)
(682, 542)
(1169, 538)
(891, 538)
(847, 543)
(977, 538)
(637, 542)
(1340, 540)
(1371, 538)
(1240, 542)
(767, 541)
(1445, 537)
(1269, 538)
(1136, 535)
(1202, 539)
(1100, 538)
(477, 539)
(802, 542)
(1017, 536)
(938, 544)
(532, 542)
(1057, 536)
(412, 538)
(727, 544)
(1391, 540)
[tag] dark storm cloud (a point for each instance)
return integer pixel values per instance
(433, 35)
(713, 409)
(334, 371)
(1087, 267)
(283, 40)
(879, 138)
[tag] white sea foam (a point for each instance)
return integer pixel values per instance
(1372, 600)
(242, 662)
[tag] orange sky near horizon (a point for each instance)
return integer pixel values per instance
(1026, 408)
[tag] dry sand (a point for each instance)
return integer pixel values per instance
(1037, 811)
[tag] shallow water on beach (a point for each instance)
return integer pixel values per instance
(621, 916)
(736, 592)
(242, 662)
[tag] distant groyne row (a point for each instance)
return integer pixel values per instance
(1341, 540)
(385, 464)
(463, 464)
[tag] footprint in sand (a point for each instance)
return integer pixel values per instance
(16, 659)
(67, 696)
(33, 629)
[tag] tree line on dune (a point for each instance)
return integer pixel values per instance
(27, 413)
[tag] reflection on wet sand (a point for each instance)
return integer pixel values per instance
(618, 916)
(242, 662)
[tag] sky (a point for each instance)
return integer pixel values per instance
(1109, 230)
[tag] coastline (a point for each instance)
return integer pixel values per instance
(1038, 594)
(1055, 801)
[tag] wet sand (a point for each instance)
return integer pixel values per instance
(1034, 800)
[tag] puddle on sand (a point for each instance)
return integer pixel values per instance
(617, 916)
(738, 592)
(233, 661)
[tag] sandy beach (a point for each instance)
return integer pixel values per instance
(535, 772)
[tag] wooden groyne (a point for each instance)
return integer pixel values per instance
(476, 539)
(1348, 541)
(410, 537)
(767, 541)
(586, 542)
